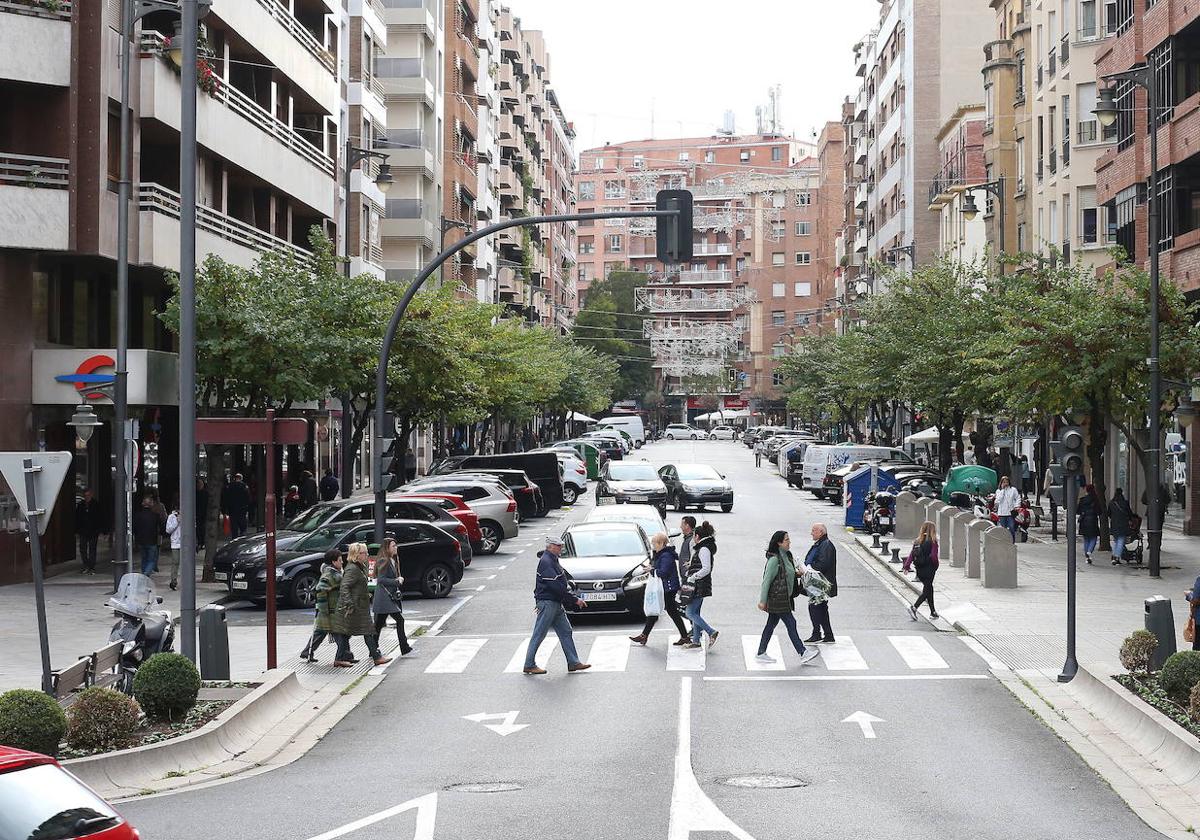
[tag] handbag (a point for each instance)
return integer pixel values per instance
(1189, 632)
(653, 598)
(779, 595)
(686, 592)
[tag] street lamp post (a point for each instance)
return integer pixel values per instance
(910, 250)
(1106, 112)
(970, 211)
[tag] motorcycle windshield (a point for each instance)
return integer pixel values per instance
(134, 596)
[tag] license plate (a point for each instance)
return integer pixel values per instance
(221, 575)
(638, 498)
(599, 596)
(241, 584)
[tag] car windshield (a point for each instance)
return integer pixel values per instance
(321, 539)
(631, 472)
(313, 518)
(45, 803)
(606, 543)
(694, 472)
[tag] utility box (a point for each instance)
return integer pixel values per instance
(214, 643)
(1161, 622)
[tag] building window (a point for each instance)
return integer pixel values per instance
(803, 258)
(684, 157)
(803, 228)
(710, 157)
(615, 243)
(778, 318)
(587, 190)
(778, 351)
(740, 265)
(777, 153)
(778, 230)
(1122, 12)
(744, 156)
(598, 163)
(639, 161)
(802, 319)
(1123, 95)
(1164, 79)
(587, 246)
(778, 289)
(1022, 238)
(803, 289)
(803, 199)
(587, 222)
(614, 189)
(777, 258)
(777, 380)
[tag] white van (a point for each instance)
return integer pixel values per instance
(820, 459)
(630, 423)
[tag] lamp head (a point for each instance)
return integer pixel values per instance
(969, 209)
(84, 421)
(384, 179)
(1106, 109)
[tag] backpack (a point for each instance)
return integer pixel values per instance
(923, 556)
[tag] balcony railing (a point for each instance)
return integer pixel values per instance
(158, 199)
(1066, 153)
(35, 172)
(405, 208)
(1041, 70)
(297, 30)
(713, 249)
(1064, 49)
(1052, 64)
(1053, 160)
(720, 275)
(31, 7)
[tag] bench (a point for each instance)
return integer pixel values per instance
(66, 682)
(104, 668)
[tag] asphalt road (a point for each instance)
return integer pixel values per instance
(899, 731)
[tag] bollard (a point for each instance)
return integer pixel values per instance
(895, 555)
(214, 643)
(1161, 622)
(884, 547)
(874, 540)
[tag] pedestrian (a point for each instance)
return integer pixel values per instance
(1193, 599)
(89, 523)
(924, 558)
(1007, 500)
(822, 557)
(175, 534)
(552, 594)
(308, 490)
(1119, 514)
(201, 511)
(777, 597)
(388, 599)
(327, 601)
(665, 566)
(1048, 482)
(687, 527)
(1088, 514)
(757, 456)
(235, 503)
(147, 530)
(699, 582)
(353, 615)
(1025, 473)
(291, 503)
(329, 486)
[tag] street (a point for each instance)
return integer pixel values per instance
(897, 730)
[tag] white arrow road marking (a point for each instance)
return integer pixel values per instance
(425, 806)
(866, 722)
(507, 726)
(691, 809)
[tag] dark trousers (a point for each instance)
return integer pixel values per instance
(1053, 520)
(87, 551)
(381, 622)
(671, 604)
(819, 615)
(789, 621)
(237, 524)
(343, 646)
(926, 597)
(318, 636)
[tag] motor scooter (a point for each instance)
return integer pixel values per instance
(141, 627)
(880, 516)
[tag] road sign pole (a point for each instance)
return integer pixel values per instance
(269, 524)
(34, 516)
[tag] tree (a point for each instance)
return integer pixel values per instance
(609, 322)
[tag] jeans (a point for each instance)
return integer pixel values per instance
(819, 615)
(174, 565)
(149, 558)
(237, 524)
(551, 614)
(699, 625)
(87, 551)
(1089, 544)
(671, 606)
(1010, 522)
(381, 622)
(789, 621)
(1118, 547)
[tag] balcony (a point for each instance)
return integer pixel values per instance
(659, 299)
(1066, 153)
(1053, 167)
(698, 276)
(1052, 63)
(717, 249)
(411, 14)
(37, 44)
(368, 93)
(406, 78)
(407, 219)
(1064, 50)
(34, 202)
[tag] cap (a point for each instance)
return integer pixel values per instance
(552, 540)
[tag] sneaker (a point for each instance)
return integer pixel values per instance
(912, 612)
(815, 637)
(765, 658)
(690, 646)
(534, 671)
(578, 666)
(1089, 559)
(934, 615)
(712, 639)
(681, 642)
(1116, 562)
(809, 655)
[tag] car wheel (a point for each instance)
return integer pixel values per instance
(820, 494)
(669, 436)
(570, 494)
(727, 508)
(302, 592)
(492, 536)
(693, 437)
(436, 582)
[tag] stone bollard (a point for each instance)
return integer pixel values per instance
(906, 516)
(895, 555)
(945, 516)
(999, 559)
(884, 547)
(975, 547)
(958, 542)
(874, 540)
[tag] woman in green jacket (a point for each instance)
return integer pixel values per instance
(777, 595)
(327, 599)
(353, 614)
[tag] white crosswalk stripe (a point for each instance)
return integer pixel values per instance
(456, 656)
(516, 665)
(917, 652)
(750, 654)
(679, 659)
(609, 653)
(842, 655)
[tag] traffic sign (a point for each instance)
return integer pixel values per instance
(50, 470)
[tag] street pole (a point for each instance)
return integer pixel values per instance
(34, 518)
(189, 31)
(1070, 494)
(1154, 453)
(1000, 223)
(269, 527)
(347, 466)
(122, 560)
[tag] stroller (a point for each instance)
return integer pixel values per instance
(1133, 543)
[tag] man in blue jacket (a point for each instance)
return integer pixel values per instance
(551, 596)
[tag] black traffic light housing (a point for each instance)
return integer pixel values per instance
(674, 233)
(733, 376)
(1071, 456)
(383, 475)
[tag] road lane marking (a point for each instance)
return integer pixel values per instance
(986, 655)
(426, 808)
(490, 577)
(842, 655)
(609, 653)
(750, 651)
(456, 656)
(507, 725)
(681, 659)
(480, 588)
(917, 652)
(866, 722)
(517, 664)
(437, 625)
(851, 678)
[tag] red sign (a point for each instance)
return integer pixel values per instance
(736, 404)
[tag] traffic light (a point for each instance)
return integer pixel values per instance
(733, 376)
(385, 447)
(1071, 456)
(674, 233)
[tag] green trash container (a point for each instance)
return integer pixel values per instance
(969, 478)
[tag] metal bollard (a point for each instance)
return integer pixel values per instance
(214, 643)
(874, 540)
(884, 547)
(1161, 622)
(895, 555)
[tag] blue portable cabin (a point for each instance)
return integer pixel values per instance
(858, 486)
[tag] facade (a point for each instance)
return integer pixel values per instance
(960, 148)
(1008, 138)
(487, 171)
(460, 152)
(365, 124)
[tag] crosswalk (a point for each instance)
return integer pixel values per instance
(615, 653)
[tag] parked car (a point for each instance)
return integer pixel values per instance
(456, 507)
(682, 431)
(491, 501)
(528, 495)
(614, 435)
(820, 459)
(607, 562)
(572, 471)
(631, 481)
(696, 485)
(645, 516)
(541, 468)
(756, 433)
(588, 452)
(630, 423)
(723, 433)
(610, 448)
(39, 799)
(430, 561)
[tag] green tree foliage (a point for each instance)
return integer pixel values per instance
(608, 321)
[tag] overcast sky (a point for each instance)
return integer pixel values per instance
(614, 62)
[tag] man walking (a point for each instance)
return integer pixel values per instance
(822, 557)
(88, 525)
(686, 526)
(308, 490)
(551, 596)
(329, 486)
(147, 531)
(235, 503)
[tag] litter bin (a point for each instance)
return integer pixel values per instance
(214, 643)
(1161, 622)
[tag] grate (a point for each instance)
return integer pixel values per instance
(1027, 651)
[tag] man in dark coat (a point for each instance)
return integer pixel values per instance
(308, 490)
(235, 503)
(551, 596)
(329, 486)
(201, 511)
(147, 531)
(822, 557)
(89, 524)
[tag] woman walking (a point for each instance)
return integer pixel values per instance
(353, 615)
(327, 600)
(1119, 515)
(665, 566)
(388, 598)
(924, 558)
(776, 597)
(699, 578)
(1089, 521)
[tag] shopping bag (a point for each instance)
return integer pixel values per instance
(1189, 632)
(652, 600)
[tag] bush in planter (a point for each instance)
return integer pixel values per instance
(31, 720)
(101, 720)
(1137, 651)
(1179, 674)
(166, 686)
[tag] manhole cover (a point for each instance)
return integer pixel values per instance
(764, 781)
(484, 787)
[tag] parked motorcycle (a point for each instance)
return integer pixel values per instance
(1023, 516)
(142, 628)
(880, 515)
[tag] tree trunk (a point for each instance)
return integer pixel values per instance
(1097, 438)
(959, 419)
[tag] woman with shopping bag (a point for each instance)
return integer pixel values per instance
(664, 570)
(777, 596)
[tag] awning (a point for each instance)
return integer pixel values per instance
(929, 435)
(727, 414)
(581, 418)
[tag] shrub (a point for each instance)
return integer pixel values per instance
(1137, 651)
(31, 720)
(166, 686)
(1180, 673)
(101, 720)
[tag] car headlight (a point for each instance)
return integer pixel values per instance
(691, 488)
(638, 578)
(278, 573)
(261, 574)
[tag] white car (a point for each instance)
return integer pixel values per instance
(682, 431)
(647, 516)
(723, 433)
(573, 472)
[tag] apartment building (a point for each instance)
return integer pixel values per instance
(268, 115)
(366, 127)
(960, 149)
(460, 154)
(487, 170)
(1008, 137)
